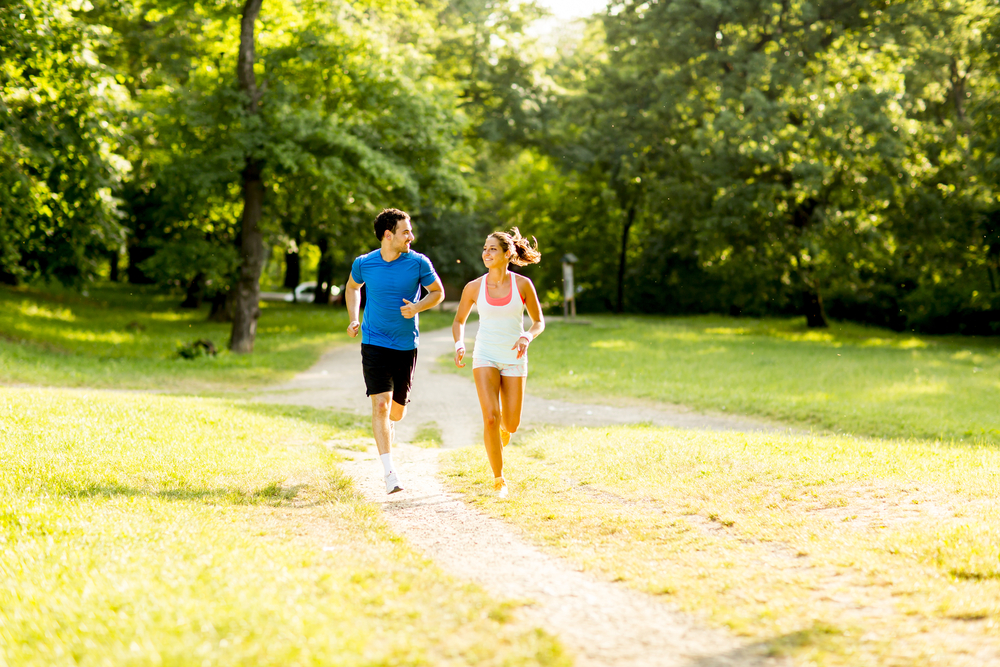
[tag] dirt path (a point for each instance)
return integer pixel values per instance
(450, 400)
(601, 623)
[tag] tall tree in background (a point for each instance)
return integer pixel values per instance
(246, 307)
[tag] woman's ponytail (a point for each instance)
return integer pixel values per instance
(522, 251)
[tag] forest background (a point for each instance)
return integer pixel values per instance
(748, 157)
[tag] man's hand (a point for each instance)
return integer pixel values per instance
(408, 310)
(352, 328)
(459, 356)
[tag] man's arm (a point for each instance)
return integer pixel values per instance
(352, 295)
(435, 295)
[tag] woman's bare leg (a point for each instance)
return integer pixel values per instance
(512, 397)
(488, 389)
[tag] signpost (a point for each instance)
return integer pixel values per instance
(569, 291)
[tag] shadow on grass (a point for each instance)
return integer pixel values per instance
(338, 419)
(820, 636)
(271, 494)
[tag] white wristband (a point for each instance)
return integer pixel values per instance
(459, 345)
(528, 336)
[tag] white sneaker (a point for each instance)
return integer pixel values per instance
(392, 483)
(500, 486)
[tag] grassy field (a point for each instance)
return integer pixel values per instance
(849, 379)
(148, 529)
(124, 337)
(144, 529)
(836, 551)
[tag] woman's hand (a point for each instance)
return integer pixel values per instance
(522, 345)
(459, 356)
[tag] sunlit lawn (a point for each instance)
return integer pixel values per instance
(849, 378)
(127, 337)
(147, 530)
(838, 551)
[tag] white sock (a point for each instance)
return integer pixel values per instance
(387, 462)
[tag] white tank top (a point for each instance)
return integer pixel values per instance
(499, 325)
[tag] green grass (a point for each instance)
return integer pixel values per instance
(149, 529)
(849, 378)
(123, 336)
(837, 551)
(428, 435)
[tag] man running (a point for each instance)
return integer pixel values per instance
(390, 334)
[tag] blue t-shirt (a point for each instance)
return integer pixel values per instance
(386, 285)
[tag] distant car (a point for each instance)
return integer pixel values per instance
(306, 293)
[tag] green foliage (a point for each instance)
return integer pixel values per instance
(761, 157)
(199, 348)
(61, 125)
(342, 128)
(753, 157)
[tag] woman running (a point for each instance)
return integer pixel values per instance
(500, 357)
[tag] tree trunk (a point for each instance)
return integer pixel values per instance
(7, 277)
(136, 255)
(324, 272)
(114, 271)
(246, 302)
(195, 290)
(629, 219)
(293, 269)
(812, 304)
(222, 308)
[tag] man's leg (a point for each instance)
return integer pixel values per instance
(383, 432)
(402, 382)
(396, 413)
(381, 426)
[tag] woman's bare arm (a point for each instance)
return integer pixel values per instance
(458, 325)
(527, 288)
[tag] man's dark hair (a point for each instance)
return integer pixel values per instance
(387, 221)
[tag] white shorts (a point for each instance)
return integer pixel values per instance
(518, 370)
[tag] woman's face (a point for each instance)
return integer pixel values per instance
(493, 254)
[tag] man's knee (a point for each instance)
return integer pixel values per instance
(397, 411)
(381, 404)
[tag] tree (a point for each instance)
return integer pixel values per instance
(61, 114)
(246, 308)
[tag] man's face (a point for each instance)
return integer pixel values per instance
(402, 238)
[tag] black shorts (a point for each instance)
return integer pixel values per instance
(388, 370)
